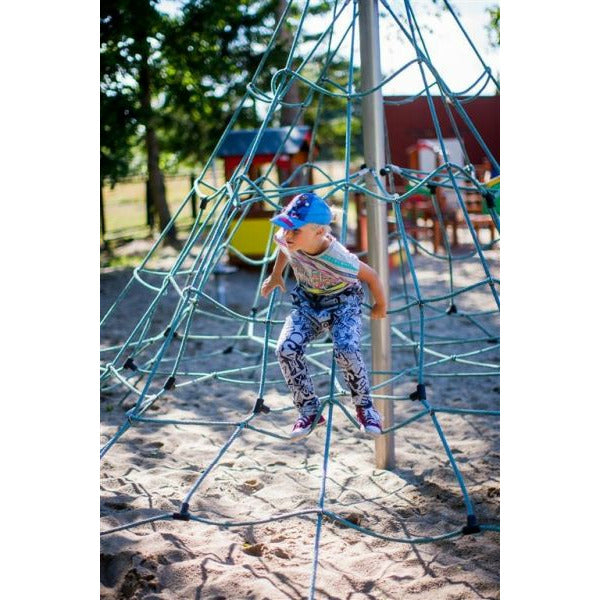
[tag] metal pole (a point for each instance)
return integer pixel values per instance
(374, 149)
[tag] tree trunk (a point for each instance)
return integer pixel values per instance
(155, 182)
(102, 221)
(288, 114)
(155, 176)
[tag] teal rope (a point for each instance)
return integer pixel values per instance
(228, 197)
(439, 135)
(474, 48)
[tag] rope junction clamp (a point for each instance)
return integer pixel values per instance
(471, 526)
(419, 394)
(129, 364)
(183, 514)
(176, 335)
(260, 406)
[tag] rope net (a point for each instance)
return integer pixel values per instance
(171, 336)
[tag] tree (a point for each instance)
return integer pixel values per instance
(211, 51)
(328, 122)
(493, 28)
(131, 36)
(171, 83)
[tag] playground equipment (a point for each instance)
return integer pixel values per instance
(159, 357)
(252, 235)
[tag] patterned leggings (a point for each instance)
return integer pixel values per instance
(307, 321)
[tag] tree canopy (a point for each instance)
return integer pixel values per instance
(493, 28)
(182, 76)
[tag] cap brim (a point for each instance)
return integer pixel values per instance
(286, 222)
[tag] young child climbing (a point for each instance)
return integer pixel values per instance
(327, 296)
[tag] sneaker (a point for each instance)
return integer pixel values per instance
(304, 425)
(369, 419)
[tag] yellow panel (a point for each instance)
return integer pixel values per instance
(394, 257)
(252, 236)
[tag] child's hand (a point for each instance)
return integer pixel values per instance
(379, 310)
(270, 283)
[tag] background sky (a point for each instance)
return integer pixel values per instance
(450, 52)
(447, 45)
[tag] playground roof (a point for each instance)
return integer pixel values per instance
(237, 142)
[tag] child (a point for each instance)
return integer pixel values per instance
(328, 296)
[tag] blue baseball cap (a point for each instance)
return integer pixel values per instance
(303, 209)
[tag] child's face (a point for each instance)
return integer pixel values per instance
(308, 238)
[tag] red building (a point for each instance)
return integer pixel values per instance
(407, 123)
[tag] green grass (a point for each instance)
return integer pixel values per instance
(129, 261)
(125, 204)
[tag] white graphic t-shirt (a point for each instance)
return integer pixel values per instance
(329, 272)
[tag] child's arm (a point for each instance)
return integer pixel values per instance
(367, 274)
(275, 279)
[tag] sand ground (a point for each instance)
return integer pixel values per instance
(152, 467)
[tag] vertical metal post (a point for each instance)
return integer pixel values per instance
(374, 149)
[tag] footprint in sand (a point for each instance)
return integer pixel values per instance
(281, 553)
(353, 517)
(252, 485)
(117, 505)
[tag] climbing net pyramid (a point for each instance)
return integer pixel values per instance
(185, 339)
